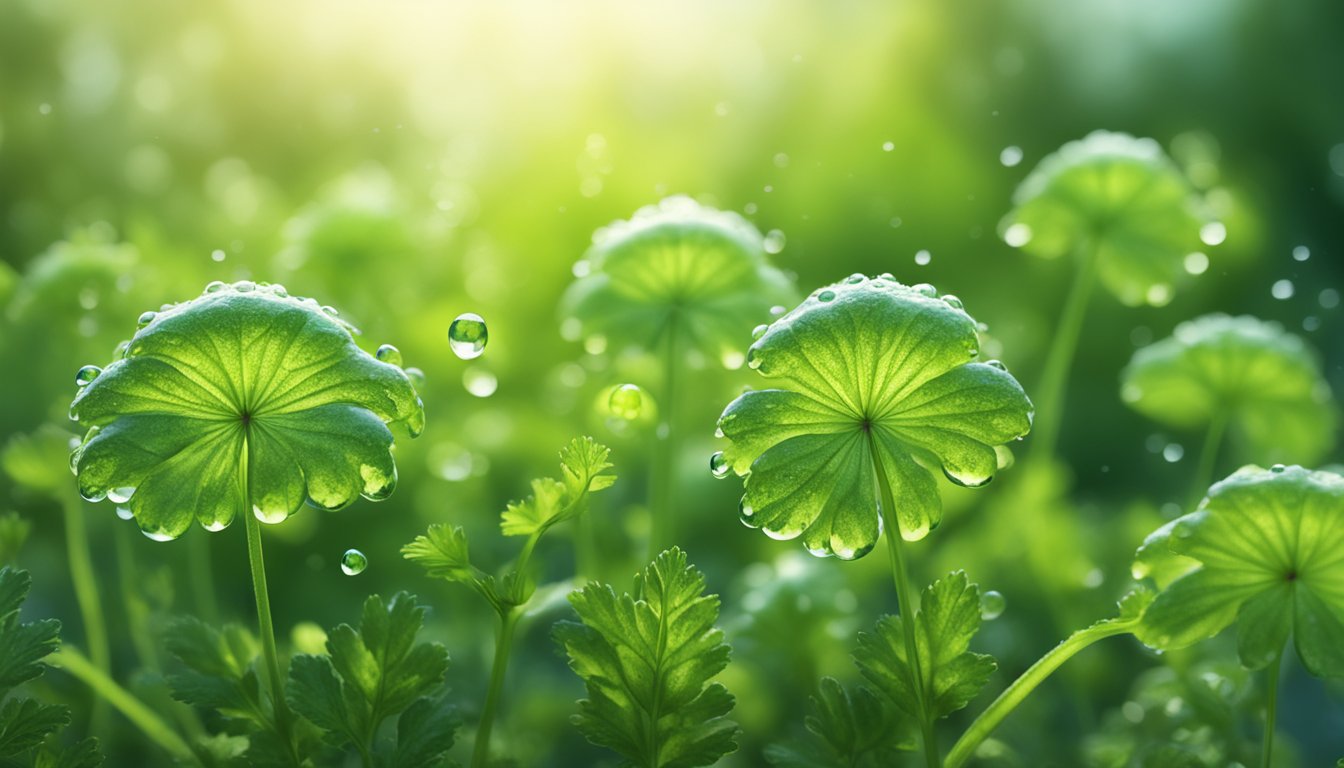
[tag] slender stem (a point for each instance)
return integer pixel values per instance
(1051, 390)
(585, 547)
(137, 612)
(80, 667)
(663, 482)
(1024, 685)
(1271, 708)
(905, 598)
(202, 579)
(480, 754)
(1208, 456)
(86, 595)
(265, 626)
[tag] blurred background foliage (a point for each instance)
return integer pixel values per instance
(409, 161)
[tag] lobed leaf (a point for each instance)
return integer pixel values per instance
(443, 552)
(845, 731)
(23, 645)
(217, 670)
(24, 723)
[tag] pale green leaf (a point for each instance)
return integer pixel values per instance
(537, 512)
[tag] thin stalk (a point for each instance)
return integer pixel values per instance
(265, 626)
(905, 598)
(144, 718)
(585, 547)
(1051, 390)
(137, 612)
(663, 481)
(86, 595)
(202, 579)
(1271, 709)
(1208, 456)
(1024, 685)
(508, 621)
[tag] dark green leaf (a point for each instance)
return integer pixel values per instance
(858, 731)
(425, 732)
(218, 671)
(647, 659)
(23, 646)
(24, 723)
(81, 754)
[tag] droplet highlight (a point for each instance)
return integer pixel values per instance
(467, 336)
(353, 562)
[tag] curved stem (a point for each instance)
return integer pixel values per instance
(81, 668)
(86, 595)
(480, 754)
(663, 482)
(1208, 456)
(905, 598)
(1271, 708)
(1051, 389)
(1024, 685)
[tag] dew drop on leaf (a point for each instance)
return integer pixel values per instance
(855, 279)
(826, 296)
(244, 286)
(626, 401)
(467, 336)
(992, 605)
(718, 465)
(215, 286)
(389, 354)
(120, 495)
(85, 376)
(996, 364)
(759, 331)
(952, 301)
(146, 318)
(925, 289)
(353, 562)
(774, 241)
(1277, 469)
(125, 513)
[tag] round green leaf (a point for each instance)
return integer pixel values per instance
(871, 374)
(1268, 383)
(244, 397)
(680, 271)
(1268, 552)
(1116, 199)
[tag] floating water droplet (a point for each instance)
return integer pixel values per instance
(125, 513)
(992, 605)
(626, 401)
(777, 310)
(826, 296)
(215, 286)
(1301, 253)
(120, 495)
(775, 240)
(1196, 263)
(217, 255)
(417, 377)
(1213, 233)
(1017, 235)
(1158, 295)
(1173, 452)
(1010, 156)
(1282, 289)
(85, 376)
(952, 301)
(925, 289)
(389, 354)
(718, 465)
(759, 331)
(145, 319)
(1277, 469)
(467, 336)
(922, 257)
(1329, 298)
(353, 562)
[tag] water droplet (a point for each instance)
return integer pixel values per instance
(389, 354)
(1196, 263)
(855, 279)
(353, 562)
(777, 310)
(1017, 235)
(244, 286)
(1159, 295)
(775, 240)
(85, 376)
(145, 319)
(330, 310)
(925, 289)
(967, 480)
(745, 512)
(1213, 233)
(626, 401)
(1329, 298)
(992, 605)
(922, 257)
(826, 296)
(1277, 469)
(157, 534)
(1173, 452)
(120, 495)
(1010, 156)
(479, 382)
(759, 331)
(996, 364)
(217, 255)
(1301, 253)
(125, 513)
(1282, 289)
(215, 286)
(467, 336)
(718, 465)
(417, 377)
(888, 146)
(952, 301)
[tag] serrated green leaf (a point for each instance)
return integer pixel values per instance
(647, 658)
(1268, 546)
(23, 646)
(947, 675)
(584, 465)
(217, 669)
(425, 733)
(81, 754)
(1267, 382)
(845, 731)
(24, 723)
(871, 372)
(243, 380)
(443, 552)
(535, 513)
(679, 268)
(1118, 200)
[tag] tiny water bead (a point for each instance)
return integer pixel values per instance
(1277, 469)
(718, 465)
(1301, 253)
(1010, 156)
(774, 242)
(389, 354)
(353, 562)
(467, 336)
(1213, 233)
(85, 376)
(146, 318)
(1282, 289)
(826, 296)
(952, 301)
(992, 605)
(922, 258)
(925, 289)
(626, 401)
(759, 331)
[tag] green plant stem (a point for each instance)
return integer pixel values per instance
(1271, 708)
(1024, 685)
(265, 626)
(1051, 390)
(81, 668)
(137, 613)
(508, 621)
(1208, 456)
(202, 579)
(905, 598)
(585, 548)
(86, 595)
(663, 481)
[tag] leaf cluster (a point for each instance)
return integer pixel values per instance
(845, 730)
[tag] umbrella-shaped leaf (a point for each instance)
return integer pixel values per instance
(1112, 198)
(1267, 547)
(680, 273)
(876, 381)
(242, 398)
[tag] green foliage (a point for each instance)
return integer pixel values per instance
(1265, 548)
(876, 378)
(947, 674)
(647, 658)
(374, 673)
(39, 461)
(676, 273)
(243, 391)
(444, 554)
(14, 532)
(845, 731)
(1114, 199)
(1267, 382)
(218, 670)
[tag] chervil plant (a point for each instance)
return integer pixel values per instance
(683, 282)
(244, 400)
(1126, 214)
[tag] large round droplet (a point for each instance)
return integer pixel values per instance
(966, 479)
(467, 336)
(718, 465)
(353, 562)
(626, 401)
(120, 495)
(991, 605)
(389, 354)
(85, 376)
